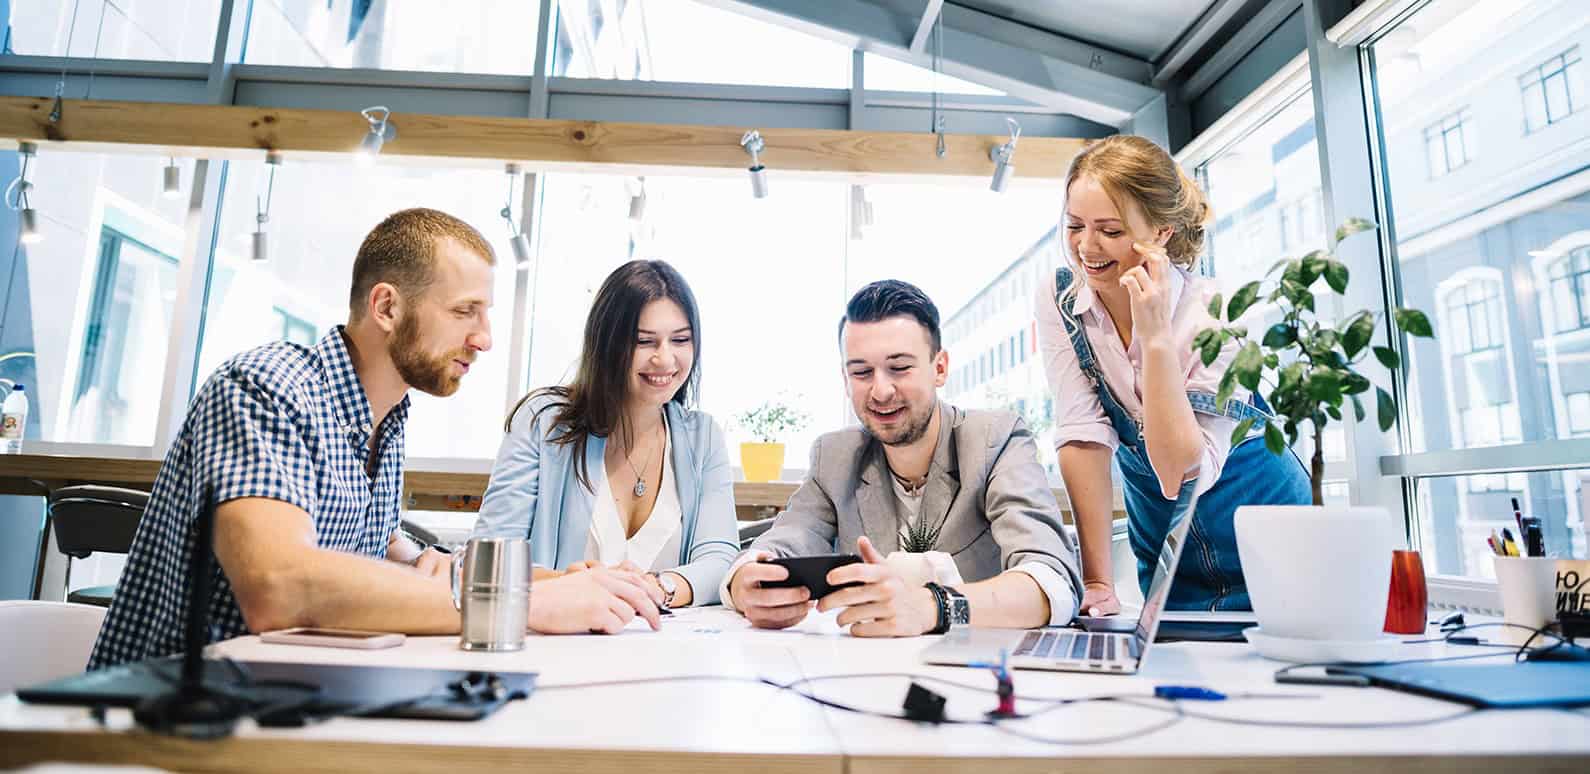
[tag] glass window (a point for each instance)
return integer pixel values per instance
(884, 73)
(1457, 513)
(464, 36)
(1579, 413)
(167, 31)
(1496, 266)
(1268, 204)
(1493, 263)
(1569, 290)
(301, 291)
(1449, 143)
(1552, 90)
(690, 42)
(89, 313)
(756, 345)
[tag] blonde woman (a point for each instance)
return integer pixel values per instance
(1116, 325)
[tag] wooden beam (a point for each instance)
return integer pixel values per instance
(226, 131)
(426, 490)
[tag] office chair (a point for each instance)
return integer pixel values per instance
(750, 530)
(89, 518)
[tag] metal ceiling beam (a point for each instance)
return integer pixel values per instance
(1214, 19)
(924, 26)
(1058, 72)
(1253, 32)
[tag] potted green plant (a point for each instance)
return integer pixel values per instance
(763, 459)
(1308, 365)
(1331, 563)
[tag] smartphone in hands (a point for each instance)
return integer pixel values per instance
(811, 572)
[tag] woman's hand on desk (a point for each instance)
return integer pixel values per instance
(595, 599)
(1099, 599)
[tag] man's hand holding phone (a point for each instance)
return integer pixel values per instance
(876, 600)
(767, 607)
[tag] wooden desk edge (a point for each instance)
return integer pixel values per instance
(303, 756)
(1244, 764)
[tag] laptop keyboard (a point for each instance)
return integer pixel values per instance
(1072, 646)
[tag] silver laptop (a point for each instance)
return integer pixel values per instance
(1071, 650)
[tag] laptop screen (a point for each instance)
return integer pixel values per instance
(1165, 569)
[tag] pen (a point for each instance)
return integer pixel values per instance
(1534, 537)
(1518, 516)
(1490, 540)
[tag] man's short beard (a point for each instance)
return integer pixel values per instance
(432, 375)
(910, 433)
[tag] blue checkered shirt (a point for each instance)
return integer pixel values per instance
(282, 421)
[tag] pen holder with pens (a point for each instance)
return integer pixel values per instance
(1528, 586)
(1536, 590)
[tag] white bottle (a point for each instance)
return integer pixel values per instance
(13, 419)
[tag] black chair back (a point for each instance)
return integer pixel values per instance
(90, 518)
(751, 530)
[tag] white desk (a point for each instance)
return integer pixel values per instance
(710, 726)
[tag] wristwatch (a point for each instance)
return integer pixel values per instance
(953, 609)
(669, 586)
(960, 608)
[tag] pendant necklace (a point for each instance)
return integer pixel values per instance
(640, 481)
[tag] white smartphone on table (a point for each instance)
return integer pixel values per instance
(333, 638)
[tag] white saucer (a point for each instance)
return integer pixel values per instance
(1305, 651)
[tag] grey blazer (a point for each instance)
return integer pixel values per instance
(985, 485)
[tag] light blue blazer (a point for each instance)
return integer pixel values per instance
(534, 493)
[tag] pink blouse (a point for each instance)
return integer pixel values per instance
(1078, 414)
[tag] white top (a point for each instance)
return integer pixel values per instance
(655, 546)
(1078, 414)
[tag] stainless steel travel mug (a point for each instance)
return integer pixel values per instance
(491, 588)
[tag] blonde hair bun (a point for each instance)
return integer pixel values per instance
(1135, 169)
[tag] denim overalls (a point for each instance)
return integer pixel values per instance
(1209, 576)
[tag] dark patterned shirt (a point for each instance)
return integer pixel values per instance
(282, 421)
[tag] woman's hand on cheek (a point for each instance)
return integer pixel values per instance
(1149, 288)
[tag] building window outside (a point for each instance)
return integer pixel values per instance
(1462, 253)
(1579, 413)
(1548, 90)
(1449, 143)
(1474, 312)
(1569, 279)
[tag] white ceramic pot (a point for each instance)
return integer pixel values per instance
(1317, 572)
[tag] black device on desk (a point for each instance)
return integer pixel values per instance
(195, 697)
(811, 572)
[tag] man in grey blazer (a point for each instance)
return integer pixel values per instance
(948, 507)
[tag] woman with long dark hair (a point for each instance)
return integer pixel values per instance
(614, 468)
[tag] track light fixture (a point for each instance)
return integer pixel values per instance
(518, 239)
(1002, 156)
(860, 211)
(171, 183)
(637, 201)
(262, 211)
(381, 130)
(18, 200)
(752, 143)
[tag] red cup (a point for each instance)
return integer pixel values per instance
(1408, 605)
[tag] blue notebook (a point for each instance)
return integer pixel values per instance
(1509, 686)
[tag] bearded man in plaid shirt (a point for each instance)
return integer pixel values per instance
(303, 450)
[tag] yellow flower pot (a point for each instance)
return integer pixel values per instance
(762, 461)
